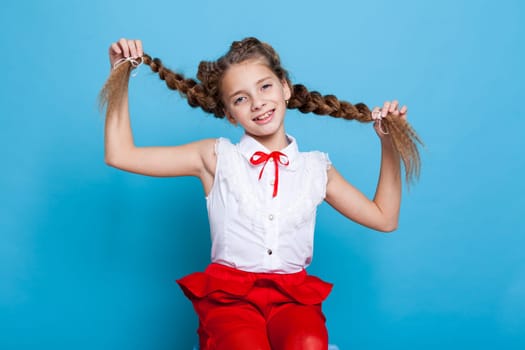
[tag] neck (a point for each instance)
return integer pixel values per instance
(273, 142)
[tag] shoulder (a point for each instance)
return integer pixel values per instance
(217, 151)
(224, 148)
(222, 143)
(318, 158)
(314, 156)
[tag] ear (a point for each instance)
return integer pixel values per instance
(286, 90)
(230, 118)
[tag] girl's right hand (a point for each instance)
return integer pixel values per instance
(389, 107)
(125, 48)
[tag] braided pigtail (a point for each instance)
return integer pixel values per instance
(403, 135)
(193, 91)
(116, 85)
(313, 102)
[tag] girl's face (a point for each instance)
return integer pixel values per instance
(254, 97)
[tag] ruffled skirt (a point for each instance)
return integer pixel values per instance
(225, 285)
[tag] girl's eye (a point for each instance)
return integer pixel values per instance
(266, 86)
(238, 100)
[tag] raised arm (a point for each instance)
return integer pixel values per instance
(193, 159)
(381, 213)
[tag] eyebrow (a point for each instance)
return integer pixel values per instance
(257, 83)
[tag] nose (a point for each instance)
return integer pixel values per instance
(257, 103)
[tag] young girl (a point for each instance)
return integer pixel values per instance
(261, 193)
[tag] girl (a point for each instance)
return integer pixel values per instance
(261, 193)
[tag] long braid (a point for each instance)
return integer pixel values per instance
(193, 91)
(306, 102)
(403, 135)
(189, 88)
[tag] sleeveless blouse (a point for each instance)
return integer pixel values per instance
(251, 230)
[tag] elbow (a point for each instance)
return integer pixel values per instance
(118, 158)
(111, 160)
(388, 227)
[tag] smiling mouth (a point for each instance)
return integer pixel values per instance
(264, 117)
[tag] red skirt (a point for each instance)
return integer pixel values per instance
(225, 284)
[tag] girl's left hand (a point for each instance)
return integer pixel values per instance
(389, 107)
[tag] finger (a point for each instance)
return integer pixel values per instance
(376, 111)
(393, 106)
(132, 48)
(115, 49)
(125, 48)
(403, 111)
(385, 108)
(140, 51)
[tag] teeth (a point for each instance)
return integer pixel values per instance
(264, 116)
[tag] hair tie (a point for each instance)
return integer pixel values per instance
(134, 61)
(377, 116)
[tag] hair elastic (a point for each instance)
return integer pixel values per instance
(378, 117)
(135, 62)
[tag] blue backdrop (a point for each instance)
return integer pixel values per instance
(88, 254)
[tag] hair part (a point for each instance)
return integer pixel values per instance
(206, 94)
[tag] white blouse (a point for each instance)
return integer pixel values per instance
(251, 229)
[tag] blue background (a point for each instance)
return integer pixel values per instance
(88, 253)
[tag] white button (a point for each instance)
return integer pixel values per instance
(270, 217)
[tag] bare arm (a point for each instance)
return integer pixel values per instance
(381, 213)
(193, 159)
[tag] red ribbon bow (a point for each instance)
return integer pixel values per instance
(261, 157)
